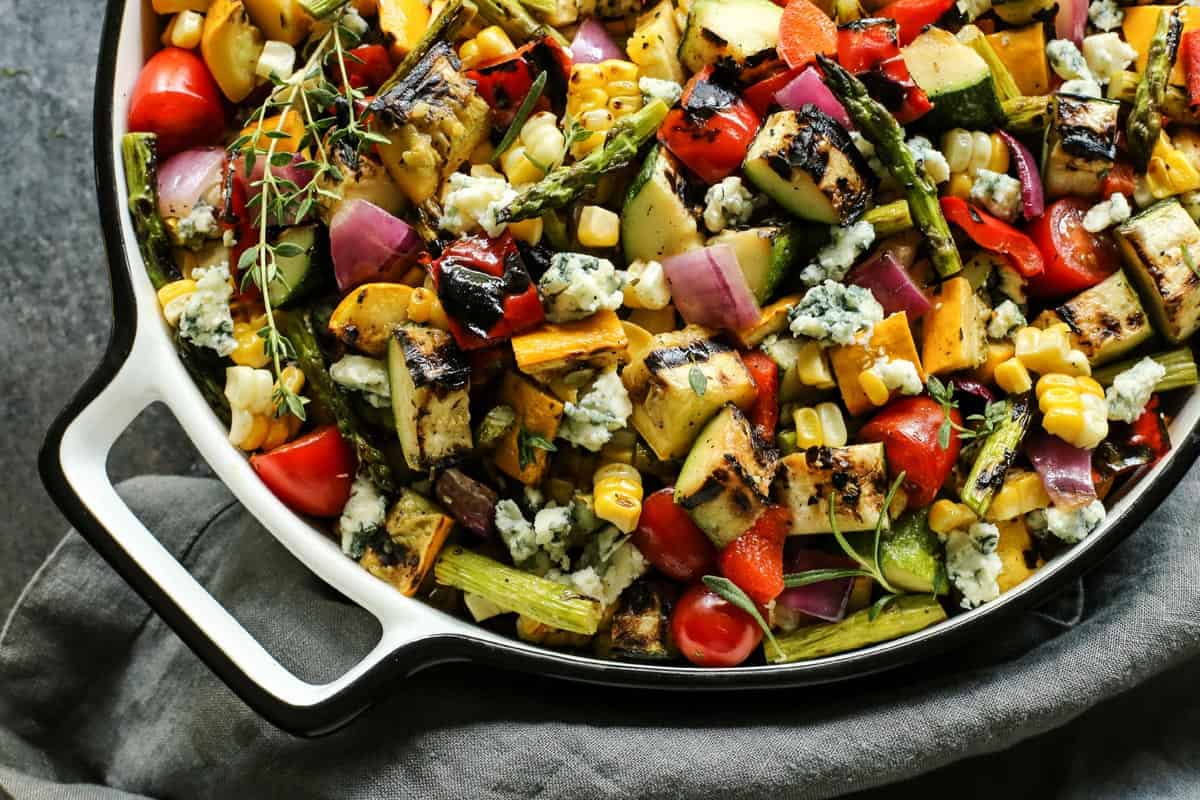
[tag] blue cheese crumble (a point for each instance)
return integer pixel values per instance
(998, 193)
(1131, 390)
(206, 320)
(602, 410)
(199, 225)
(726, 204)
(1005, 319)
(833, 313)
(363, 374)
(1070, 525)
(834, 260)
(1107, 54)
(548, 534)
(929, 157)
(972, 563)
(362, 516)
(578, 285)
(472, 202)
(1107, 213)
(1106, 14)
(657, 89)
(1066, 60)
(898, 374)
(647, 286)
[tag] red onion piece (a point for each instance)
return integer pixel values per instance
(369, 244)
(809, 88)
(592, 44)
(710, 289)
(825, 600)
(1071, 20)
(1066, 471)
(891, 284)
(298, 175)
(1033, 198)
(189, 176)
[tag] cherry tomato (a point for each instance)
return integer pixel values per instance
(710, 631)
(176, 98)
(754, 560)
(670, 541)
(1074, 258)
(311, 475)
(369, 66)
(908, 428)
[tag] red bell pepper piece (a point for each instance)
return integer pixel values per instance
(754, 560)
(913, 15)
(761, 96)
(504, 83)
(713, 128)
(870, 49)
(485, 290)
(995, 234)
(1189, 54)
(368, 66)
(1149, 430)
(311, 475)
(1118, 179)
(908, 428)
(913, 102)
(864, 43)
(764, 414)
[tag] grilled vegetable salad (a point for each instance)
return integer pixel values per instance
(704, 330)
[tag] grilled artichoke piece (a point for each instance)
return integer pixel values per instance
(430, 378)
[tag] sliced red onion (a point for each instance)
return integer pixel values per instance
(592, 44)
(369, 244)
(186, 177)
(809, 88)
(1071, 20)
(1033, 198)
(300, 176)
(1066, 471)
(825, 600)
(710, 289)
(891, 284)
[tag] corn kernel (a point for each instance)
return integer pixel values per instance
(998, 158)
(485, 171)
(808, 428)
(260, 425)
(184, 30)
(173, 297)
(277, 433)
(519, 168)
(527, 230)
(598, 227)
(833, 425)
(251, 350)
(468, 54)
(946, 516)
(292, 378)
(1021, 492)
(981, 151)
(616, 70)
(959, 185)
(874, 387)
(617, 495)
(1012, 377)
(493, 43)
(812, 367)
(1049, 350)
(1073, 409)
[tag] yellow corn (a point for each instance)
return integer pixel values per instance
(598, 227)
(998, 157)
(173, 297)
(184, 30)
(1073, 409)
(260, 426)
(967, 152)
(1049, 350)
(277, 432)
(959, 185)
(488, 45)
(1170, 172)
(946, 516)
(599, 95)
(539, 147)
(874, 387)
(617, 495)
(251, 350)
(656, 321)
(291, 378)
(485, 171)
(1021, 493)
(812, 367)
(253, 422)
(425, 307)
(808, 428)
(1012, 377)
(820, 425)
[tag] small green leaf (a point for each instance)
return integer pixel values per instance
(878, 606)
(796, 579)
(288, 250)
(247, 259)
(732, 593)
(697, 380)
(523, 112)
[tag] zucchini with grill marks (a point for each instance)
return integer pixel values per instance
(656, 220)
(1107, 320)
(855, 477)
(641, 623)
(1161, 246)
(1081, 145)
(429, 377)
(737, 32)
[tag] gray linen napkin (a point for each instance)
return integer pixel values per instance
(96, 692)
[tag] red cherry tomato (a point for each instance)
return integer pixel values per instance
(754, 560)
(670, 541)
(311, 475)
(764, 414)
(369, 66)
(710, 631)
(176, 98)
(908, 428)
(1074, 258)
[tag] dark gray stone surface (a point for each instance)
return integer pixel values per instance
(54, 300)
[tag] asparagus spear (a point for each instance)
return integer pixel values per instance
(878, 125)
(516, 21)
(298, 328)
(889, 218)
(1145, 120)
(563, 184)
(904, 615)
(545, 601)
(997, 454)
(1175, 104)
(1180, 365)
(454, 15)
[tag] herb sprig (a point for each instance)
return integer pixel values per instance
(984, 424)
(528, 442)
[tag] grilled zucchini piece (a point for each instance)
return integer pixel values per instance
(1161, 246)
(855, 476)
(416, 531)
(656, 220)
(1081, 145)
(1106, 321)
(684, 378)
(430, 380)
(538, 414)
(725, 482)
(957, 80)
(735, 32)
(807, 163)
(641, 623)
(765, 255)
(433, 118)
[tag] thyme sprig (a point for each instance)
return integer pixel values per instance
(983, 424)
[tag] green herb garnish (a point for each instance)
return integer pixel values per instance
(697, 380)
(528, 442)
(732, 593)
(523, 112)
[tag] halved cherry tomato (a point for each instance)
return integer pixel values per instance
(914, 15)
(804, 31)
(908, 428)
(1074, 258)
(670, 541)
(754, 560)
(994, 234)
(764, 414)
(311, 475)
(712, 129)
(710, 631)
(1119, 179)
(176, 98)
(1150, 430)
(368, 66)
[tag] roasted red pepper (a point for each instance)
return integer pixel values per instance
(754, 560)
(1119, 178)
(909, 429)
(1189, 54)
(713, 128)
(996, 235)
(761, 96)
(368, 66)
(505, 83)
(764, 414)
(870, 49)
(914, 15)
(1150, 430)
(486, 290)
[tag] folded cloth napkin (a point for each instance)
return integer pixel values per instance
(98, 698)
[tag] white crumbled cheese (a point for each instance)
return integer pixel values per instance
(833, 313)
(1066, 60)
(535, 498)
(727, 203)
(578, 285)
(1083, 87)
(898, 373)
(930, 158)
(363, 374)
(972, 10)
(473, 202)
(1107, 213)
(481, 608)
(1106, 14)
(1071, 525)
(606, 581)
(656, 89)
(647, 286)
(199, 224)
(548, 533)
(1107, 54)
(1005, 319)
(1000, 194)
(276, 58)
(867, 150)
(603, 409)
(206, 320)
(836, 258)
(363, 514)
(1131, 390)
(972, 563)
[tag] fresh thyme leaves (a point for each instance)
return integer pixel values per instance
(574, 132)
(808, 577)
(731, 593)
(528, 442)
(697, 380)
(983, 424)
(943, 395)
(523, 112)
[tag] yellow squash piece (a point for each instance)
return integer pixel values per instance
(891, 338)
(772, 320)
(417, 529)
(1171, 170)
(402, 23)
(954, 329)
(598, 341)
(1023, 51)
(281, 20)
(1139, 25)
(1018, 554)
(655, 42)
(997, 354)
(1021, 492)
(293, 126)
(367, 316)
(230, 45)
(539, 414)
